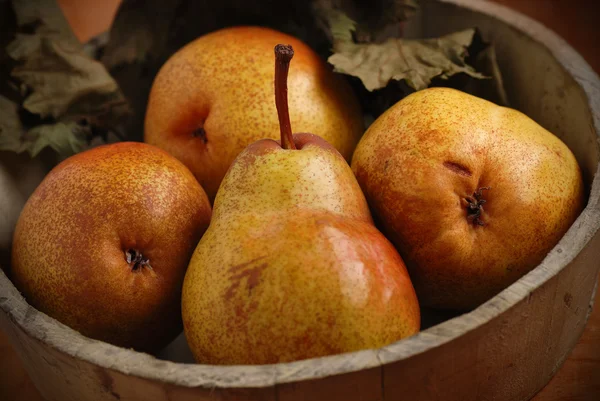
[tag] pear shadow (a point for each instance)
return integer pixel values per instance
(177, 351)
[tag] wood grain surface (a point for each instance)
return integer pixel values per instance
(579, 378)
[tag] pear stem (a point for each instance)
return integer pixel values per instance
(283, 56)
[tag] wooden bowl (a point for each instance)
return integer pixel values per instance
(507, 349)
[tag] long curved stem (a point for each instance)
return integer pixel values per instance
(283, 56)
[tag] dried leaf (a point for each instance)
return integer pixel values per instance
(482, 56)
(370, 21)
(65, 99)
(384, 19)
(64, 138)
(58, 74)
(341, 27)
(415, 61)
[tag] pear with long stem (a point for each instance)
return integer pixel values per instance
(292, 266)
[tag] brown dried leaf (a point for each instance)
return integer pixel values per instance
(415, 61)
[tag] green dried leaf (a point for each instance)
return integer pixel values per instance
(58, 74)
(342, 27)
(482, 56)
(363, 21)
(367, 44)
(383, 19)
(65, 138)
(65, 99)
(415, 61)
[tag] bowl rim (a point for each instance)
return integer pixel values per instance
(66, 340)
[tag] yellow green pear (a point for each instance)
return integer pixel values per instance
(472, 194)
(291, 266)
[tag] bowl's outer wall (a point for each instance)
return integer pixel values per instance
(505, 350)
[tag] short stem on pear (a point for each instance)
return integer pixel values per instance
(283, 56)
(475, 206)
(136, 260)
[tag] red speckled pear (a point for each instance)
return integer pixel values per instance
(103, 243)
(473, 195)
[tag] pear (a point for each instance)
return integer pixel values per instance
(214, 97)
(472, 194)
(291, 266)
(103, 243)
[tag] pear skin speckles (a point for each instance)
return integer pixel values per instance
(302, 285)
(422, 161)
(223, 82)
(103, 243)
(292, 266)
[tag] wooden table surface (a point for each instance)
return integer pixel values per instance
(579, 378)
